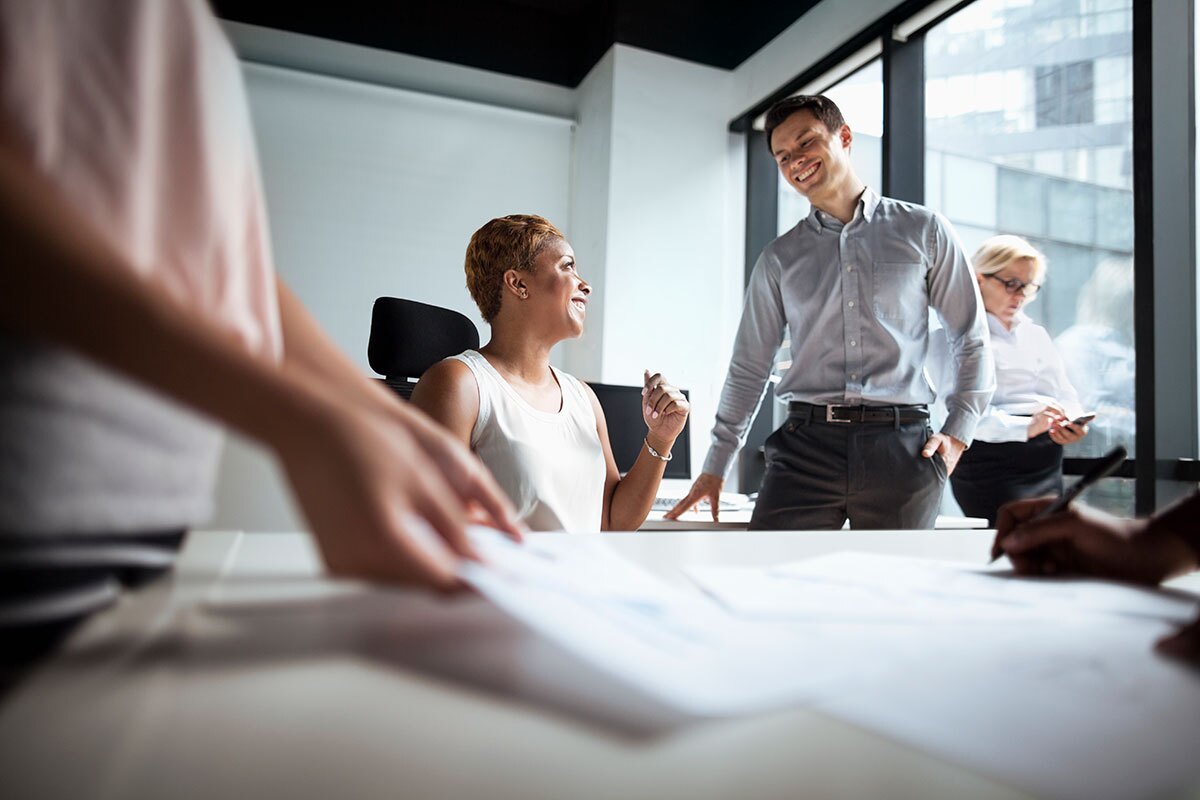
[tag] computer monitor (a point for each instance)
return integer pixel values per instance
(626, 429)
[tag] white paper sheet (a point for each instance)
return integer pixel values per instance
(676, 647)
(1080, 712)
(1074, 706)
(864, 587)
(1050, 685)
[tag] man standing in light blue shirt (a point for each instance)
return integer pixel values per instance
(853, 284)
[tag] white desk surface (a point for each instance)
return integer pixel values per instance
(740, 520)
(261, 679)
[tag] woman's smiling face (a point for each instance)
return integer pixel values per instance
(556, 290)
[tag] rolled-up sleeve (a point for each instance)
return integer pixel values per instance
(759, 337)
(954, 295)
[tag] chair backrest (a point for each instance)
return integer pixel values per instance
(408, 338)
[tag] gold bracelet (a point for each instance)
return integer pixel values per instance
(655, 453)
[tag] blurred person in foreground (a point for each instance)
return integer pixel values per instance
(541, 431)
(141, 315)
(1083, 541)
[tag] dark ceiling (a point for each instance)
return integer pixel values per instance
(557, 41)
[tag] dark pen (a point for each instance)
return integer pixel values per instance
(1102, 469)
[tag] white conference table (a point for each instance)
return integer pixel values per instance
(739, 520)
(246, 674)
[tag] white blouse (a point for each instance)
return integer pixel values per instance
(1029, 374)
(551, 465)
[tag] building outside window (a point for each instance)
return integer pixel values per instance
(1029, 131)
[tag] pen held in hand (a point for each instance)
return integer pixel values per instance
(1101, 469)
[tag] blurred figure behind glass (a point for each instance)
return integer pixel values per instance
(1098, 351)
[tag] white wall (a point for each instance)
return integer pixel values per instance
(374, 191)
(672, 269)
(589, 219)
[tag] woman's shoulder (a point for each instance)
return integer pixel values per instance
(449, 377)
(456, 367)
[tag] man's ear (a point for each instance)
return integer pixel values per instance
(845, 136)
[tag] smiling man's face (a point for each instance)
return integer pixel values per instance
(812, 159)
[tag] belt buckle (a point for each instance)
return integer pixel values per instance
(829, 415)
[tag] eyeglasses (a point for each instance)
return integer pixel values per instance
(1013, 285)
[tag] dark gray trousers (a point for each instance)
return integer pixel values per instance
(819, 474)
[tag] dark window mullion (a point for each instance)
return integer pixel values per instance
(1143, 253)
(903, 119)
(762, 220)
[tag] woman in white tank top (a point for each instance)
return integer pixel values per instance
(539, 430)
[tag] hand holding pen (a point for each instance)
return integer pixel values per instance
(1103, 468)
(1049, 536)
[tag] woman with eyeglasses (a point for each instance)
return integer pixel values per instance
(1035, 411)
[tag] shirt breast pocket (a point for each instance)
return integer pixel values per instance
(900, 290)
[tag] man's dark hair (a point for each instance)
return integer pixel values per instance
(818, 105)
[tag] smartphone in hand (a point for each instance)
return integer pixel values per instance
(1084, 419)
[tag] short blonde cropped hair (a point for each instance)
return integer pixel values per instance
(505, 243)
(999, 251)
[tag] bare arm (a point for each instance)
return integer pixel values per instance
(309, 350)
(627, 501)
(448, 394)
(369, 490)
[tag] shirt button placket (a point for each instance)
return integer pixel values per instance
(853, 326)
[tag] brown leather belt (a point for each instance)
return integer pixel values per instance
(859, 414)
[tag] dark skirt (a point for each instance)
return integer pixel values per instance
(991, 474)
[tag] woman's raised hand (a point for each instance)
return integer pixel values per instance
(664, 408)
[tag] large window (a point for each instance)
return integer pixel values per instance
(1029, 109)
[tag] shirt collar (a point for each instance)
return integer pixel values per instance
(868, 201)
(996, 327)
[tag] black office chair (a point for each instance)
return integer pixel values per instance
(408, 338)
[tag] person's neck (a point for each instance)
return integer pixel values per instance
(842, 200)
(1007, 324)
(519, 355)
